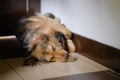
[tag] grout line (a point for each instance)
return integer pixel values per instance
(85, 59)
(109, 71)
(113, 73)
(13, 69)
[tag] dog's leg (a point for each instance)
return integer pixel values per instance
(32, 57)
(66, 44)
(71, 46)
(67, 33)
(30, 60)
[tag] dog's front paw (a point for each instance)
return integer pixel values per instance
(30, 61)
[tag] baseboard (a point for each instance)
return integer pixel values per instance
(99, 52)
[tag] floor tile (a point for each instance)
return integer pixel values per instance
(6, 73)
(87, 60)
(100, 75)
(56, 69)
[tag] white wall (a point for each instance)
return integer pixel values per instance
(95, 19)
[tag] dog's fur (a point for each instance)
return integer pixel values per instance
(45, 39)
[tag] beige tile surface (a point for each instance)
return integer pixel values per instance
(6, 73)
(56, 69)
(91, 62)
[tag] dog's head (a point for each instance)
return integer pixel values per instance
(46, 48)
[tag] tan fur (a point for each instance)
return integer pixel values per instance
(46, 26)
(71, 46)
(49, 26)
(36, 52)
(58, 53)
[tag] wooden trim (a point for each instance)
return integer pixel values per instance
(34, 7)
(10, 48)
(101, 53)
(102, 75)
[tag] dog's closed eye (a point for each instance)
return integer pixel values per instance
(53, 47)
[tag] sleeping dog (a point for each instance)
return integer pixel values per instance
(45, 39)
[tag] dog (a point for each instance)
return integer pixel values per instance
(45, 39)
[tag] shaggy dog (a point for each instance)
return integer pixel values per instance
(45, 39)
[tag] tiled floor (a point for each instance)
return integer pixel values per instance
(11, 69)
(7, 73)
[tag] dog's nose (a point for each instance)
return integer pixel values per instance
(66, 55)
